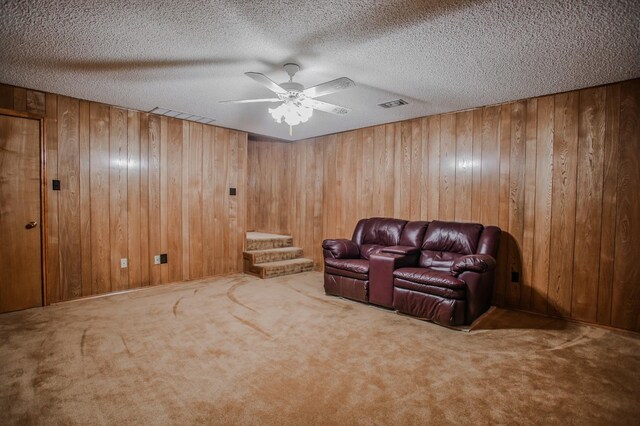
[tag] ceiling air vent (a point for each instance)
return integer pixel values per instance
(182, 115)
(393, 104)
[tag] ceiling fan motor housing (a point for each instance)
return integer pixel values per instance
(291, 69)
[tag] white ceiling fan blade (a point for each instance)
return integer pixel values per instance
(250, 101)
(326, 107)
(329, 87)
(266, 82)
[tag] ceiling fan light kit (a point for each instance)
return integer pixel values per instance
(298, 103)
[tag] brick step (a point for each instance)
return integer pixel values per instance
(255, 257)
(280, 268)
(264, 241)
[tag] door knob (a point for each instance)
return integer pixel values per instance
(31, 225)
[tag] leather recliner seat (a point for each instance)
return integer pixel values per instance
(452, 281)
(346, 262)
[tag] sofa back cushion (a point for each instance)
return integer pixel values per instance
(373, 234)
(413, 233)
(445, 242)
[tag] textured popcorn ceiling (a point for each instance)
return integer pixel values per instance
(438, 55)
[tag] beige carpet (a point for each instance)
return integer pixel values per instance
(240, 350)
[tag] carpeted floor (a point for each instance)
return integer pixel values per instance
(240, 350)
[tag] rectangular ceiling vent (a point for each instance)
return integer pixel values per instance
(393, 104)
(182, 115)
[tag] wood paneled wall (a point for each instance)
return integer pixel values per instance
(134, 185)
(559, 174)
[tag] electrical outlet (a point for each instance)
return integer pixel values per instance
(156, 260)
(515, 277)
(124, 263)
(163, 258)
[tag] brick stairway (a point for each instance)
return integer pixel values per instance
(272, 255)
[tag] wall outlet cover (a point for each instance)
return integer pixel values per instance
(124, 263)
(156, 260)
(163, 258)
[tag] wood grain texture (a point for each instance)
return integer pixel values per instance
(134, 234)
(164, 199)
(542, 208)
(416, 169)
(490, 178)
(52, 268)
(19, 99)
(329, 188)
(404, 170)
(389, 180)
(118, 216)
(447, 189)
(174, 199)
(145, 257)
(185, 200)
(626, 292)
(100, 201)
(196, 159)
(220, 209)
(516, 200)
(463, 165)
(425, 187)
(529, 204)
(609, 203)
(69, 197)
(503, 271)
(476, 184)
(232, 210)
(36, 102)
(84, 159)
(586, 261)
(155, 247)
(433, 205)
(366, 196)
(563, 210)
(241, 228)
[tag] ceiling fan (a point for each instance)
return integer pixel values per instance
(298, 103)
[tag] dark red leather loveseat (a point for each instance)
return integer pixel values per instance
(440, 271)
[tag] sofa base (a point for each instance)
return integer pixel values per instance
(350, 288)
(428, 306)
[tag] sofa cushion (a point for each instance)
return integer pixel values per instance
(382, 231)
(413, 233)
(445, 242)
(454, 237)
(430, 277)
(445, 292)
(359, 266)
(345, 273)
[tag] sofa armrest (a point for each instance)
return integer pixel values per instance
(479, 263)
(401, 250)
(479, 291)
(340, 249)
(381, 267)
